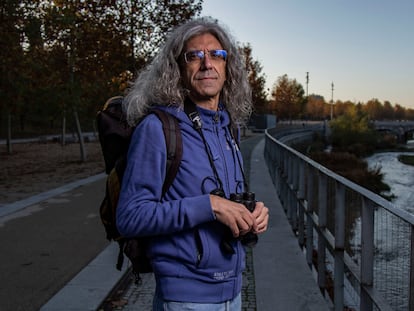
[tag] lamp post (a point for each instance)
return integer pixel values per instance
(307, 82)
(307, 97)
(332, 89)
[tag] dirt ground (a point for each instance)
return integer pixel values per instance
(37, 167)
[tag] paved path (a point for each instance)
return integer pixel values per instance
(46, 240)
(282, 276)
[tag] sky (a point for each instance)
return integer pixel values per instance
(365, 48)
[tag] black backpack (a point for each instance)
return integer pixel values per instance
(114, 136)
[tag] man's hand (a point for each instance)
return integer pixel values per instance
(234, 215)
(261, 215)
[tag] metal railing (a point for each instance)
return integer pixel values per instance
(360, 246)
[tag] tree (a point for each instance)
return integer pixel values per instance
(69, 55)
(399, 112)
(316, 107)
(409, 114)
(102, 40)
(288, 98)
(388, 110)
(256, 79)
(13, 67)
(147, 22)
(374, 109)
(345, 108)
(353, 132)
(105, 39)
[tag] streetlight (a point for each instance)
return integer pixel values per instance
(307, 82)
(332, 88)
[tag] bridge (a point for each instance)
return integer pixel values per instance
(352, 238)
(403, 130)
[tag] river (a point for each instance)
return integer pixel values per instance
(399, 176)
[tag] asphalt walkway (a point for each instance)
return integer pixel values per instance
(277, 272)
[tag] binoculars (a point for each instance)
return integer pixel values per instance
(249, 239)
(248, 200)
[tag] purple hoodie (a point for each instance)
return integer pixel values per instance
(184, 247)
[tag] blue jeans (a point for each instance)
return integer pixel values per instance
(231, 305)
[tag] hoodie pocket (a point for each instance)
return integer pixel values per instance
(212, 260)
(199, 247)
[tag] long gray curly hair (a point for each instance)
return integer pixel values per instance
(160, 82)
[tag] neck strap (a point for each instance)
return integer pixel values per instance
(192, 113)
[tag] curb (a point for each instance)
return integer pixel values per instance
(90, 287)
(14, 207)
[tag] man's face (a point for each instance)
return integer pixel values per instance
(204, 76)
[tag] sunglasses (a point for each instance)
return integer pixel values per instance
(197, 56)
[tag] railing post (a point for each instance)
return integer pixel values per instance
(323, 216)
(294, 191)
(339, 246)
(308, 213)
(284, 185)
(277, 159)
(411, 285)
(291, 200)
(280, 172)
(301, 202)
(301, 189)
(367, 252)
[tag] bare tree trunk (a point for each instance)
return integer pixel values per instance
(9, 143)
(63, 138)
(80, 137)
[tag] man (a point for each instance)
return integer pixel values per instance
(196, 233)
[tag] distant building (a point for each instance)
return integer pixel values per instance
(261, 122)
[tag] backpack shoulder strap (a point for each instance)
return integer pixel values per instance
(173, 139)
